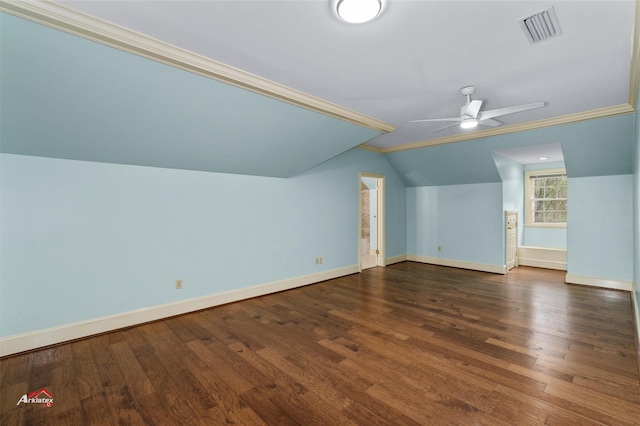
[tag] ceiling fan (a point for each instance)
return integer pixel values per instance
(471, 116)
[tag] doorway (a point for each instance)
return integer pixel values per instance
(511, 220)
(371, 219)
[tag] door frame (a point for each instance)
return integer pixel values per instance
(380, 230)
(508, 213)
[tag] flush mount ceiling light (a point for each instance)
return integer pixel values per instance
(469, 123)
(358, 11)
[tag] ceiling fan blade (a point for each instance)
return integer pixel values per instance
(445, 127)
(472, 108)
(437, 119)
(509, 110)
(490, 122)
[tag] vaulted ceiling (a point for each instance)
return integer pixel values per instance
(275, 87)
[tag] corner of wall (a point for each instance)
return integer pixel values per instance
(636, 215)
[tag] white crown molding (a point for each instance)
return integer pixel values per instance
(78, 330)
(634, 79)
(370, 148)
(77, 23)
(634, 86)
(502, 130)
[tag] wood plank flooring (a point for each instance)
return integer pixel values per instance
(409, 344)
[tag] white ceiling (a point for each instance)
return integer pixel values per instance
(410, 62)
(534, 154)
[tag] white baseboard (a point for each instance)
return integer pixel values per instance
(496, 269)
(599, 282)
(395, 259)
(54, 335)
(636, 313)
(542, 257)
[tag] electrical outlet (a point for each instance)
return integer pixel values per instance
(178, 284)
(439, 248)
(321, 261)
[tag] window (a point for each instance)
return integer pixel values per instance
(546, 203)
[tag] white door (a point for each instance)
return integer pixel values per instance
(511, 219)
(371, 229)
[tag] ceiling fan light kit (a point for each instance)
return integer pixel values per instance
(469, 123)
(358, 11)
(471, 116)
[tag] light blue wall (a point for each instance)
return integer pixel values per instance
(513, 181)
(465, 220)
(597, 150)
(545, 237)
(598, 147)
(512, 174)
(636, 213)
(600, 231)
(68, 97)
(545, 166)
(81, 240)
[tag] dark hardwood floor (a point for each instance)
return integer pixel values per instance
(407, 344)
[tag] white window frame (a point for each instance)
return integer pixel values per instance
(527, 201)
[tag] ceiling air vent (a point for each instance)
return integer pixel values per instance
(540, 26)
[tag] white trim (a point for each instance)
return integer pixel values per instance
(503, 130)
(51, 336)
(546, 264)
(634, 75)
(599, 282)
(484, 267)
(75, 22)
(508, 213)
(543, 257)
(636, 313)
(370, 148)
(381, 234)
(395, 259)
(82, 25)
(380, 231)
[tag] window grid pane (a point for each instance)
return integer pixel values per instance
(549, 202)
